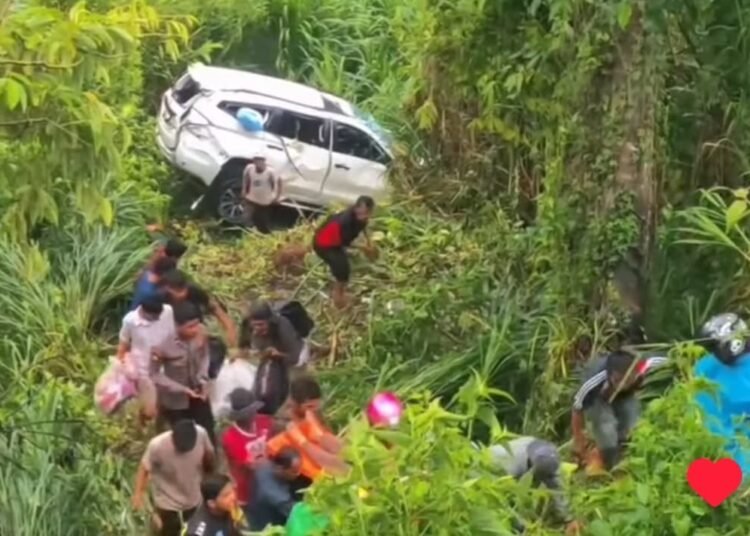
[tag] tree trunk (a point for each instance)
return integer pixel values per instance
(636, 89)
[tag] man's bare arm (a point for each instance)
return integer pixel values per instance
(122, 349)
(227, 324)
(141, 483)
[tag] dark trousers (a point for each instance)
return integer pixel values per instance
(298, 487)
(199, 412)
(271, 385)
(337, 261)
(172, 522)
(259, 216)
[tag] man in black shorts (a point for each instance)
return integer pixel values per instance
(335, 235)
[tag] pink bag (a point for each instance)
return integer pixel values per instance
(114, 387)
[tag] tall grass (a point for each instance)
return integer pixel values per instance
(49, 298)
(56, 475)
(56, 478)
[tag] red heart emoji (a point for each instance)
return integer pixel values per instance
(714, 482)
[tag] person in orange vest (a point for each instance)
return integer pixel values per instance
(319, 448)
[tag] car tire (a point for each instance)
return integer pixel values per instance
(229, 207)
(227, 196)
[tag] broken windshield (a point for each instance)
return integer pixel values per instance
(382, 135)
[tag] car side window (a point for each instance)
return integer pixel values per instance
(307, 129)
(233, 107)
(353, 142)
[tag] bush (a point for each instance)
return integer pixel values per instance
(59, 475)
(431, 481)
(58, 293)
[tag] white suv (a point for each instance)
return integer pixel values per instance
(324, 149)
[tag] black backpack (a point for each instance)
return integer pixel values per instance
(297, 315)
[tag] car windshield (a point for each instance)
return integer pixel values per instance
(383, 135)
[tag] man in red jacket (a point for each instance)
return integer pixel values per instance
(335, 235)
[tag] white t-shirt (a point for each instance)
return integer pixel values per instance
(143, 335)
(264, 185)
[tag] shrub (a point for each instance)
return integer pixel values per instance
(432, 481)
(59, 475)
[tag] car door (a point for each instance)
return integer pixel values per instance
(359, 166)
(305, 141)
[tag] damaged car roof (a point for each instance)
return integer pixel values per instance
(223, 79)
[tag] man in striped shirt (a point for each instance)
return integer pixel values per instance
(608, 400)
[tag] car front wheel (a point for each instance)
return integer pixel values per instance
(229, 206)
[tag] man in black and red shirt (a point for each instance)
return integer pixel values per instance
(607, 399)
(336, 234)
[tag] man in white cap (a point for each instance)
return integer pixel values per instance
(261, 188)
(540, 458)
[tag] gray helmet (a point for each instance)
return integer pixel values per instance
(727, 336)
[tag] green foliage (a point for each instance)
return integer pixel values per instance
(58, 294)
(719, 223)
(510, 120)
(54, 79)
(652, 496)
(424, 478)
(59, 474)
(57, 477)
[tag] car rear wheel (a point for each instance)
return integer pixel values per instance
(229, 206)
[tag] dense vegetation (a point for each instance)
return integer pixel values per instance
(551, 159)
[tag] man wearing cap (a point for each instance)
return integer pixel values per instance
(244, 442)
(261, 188)
(540, 458)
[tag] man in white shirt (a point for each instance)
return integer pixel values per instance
(261, 188)
(149, 326)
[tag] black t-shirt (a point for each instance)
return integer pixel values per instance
(198, 297)
(205, 523)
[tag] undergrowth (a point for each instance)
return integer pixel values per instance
(497, 272)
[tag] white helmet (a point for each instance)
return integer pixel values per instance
(727, 334)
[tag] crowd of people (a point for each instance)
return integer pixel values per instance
(276, 442)
(212, 477)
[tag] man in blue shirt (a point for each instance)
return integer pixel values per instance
(149, 284)
(272, 499)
